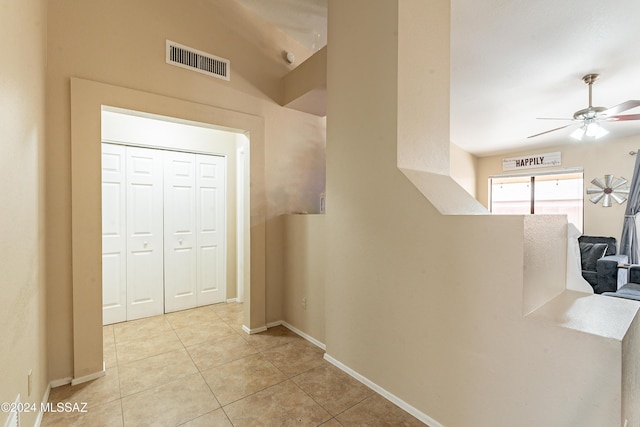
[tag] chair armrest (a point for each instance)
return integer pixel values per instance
(620, 258)
(608, 274)
(634, 273)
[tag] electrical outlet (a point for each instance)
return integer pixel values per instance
(29, 382)
(304, 303)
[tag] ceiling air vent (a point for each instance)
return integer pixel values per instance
(195, 60)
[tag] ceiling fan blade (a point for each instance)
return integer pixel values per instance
(627, 105)
(556, 118)
(552, 130)
(598, 183)
(622, 118)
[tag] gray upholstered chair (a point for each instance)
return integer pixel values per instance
(632, 289)
(600, 260)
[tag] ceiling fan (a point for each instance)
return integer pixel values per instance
(589, 118)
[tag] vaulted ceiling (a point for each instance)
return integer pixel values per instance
(513, 61)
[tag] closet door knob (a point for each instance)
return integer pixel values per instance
(180, 241)
(145, 244)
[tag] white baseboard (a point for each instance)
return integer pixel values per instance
(230, 300)
(255, 330)
(90, 377)
(60, 382)
(274, 324)
(304, 335)
(373, 386)
(45, 399)
(384, 393)
(297, 331)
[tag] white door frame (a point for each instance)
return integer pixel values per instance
(88, 98)
(240, 213)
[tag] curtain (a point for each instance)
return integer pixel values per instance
(629, 244)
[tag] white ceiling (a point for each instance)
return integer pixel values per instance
(304, 20)
(515, 60)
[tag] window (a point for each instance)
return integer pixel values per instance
(540, 194)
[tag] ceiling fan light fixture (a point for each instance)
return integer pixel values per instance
(578, 133)
(590, 130)
(596, 131)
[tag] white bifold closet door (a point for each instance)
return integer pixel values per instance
(210, 219)
(180, 258)
(163, 222)
(114, 238)
(194, 259)
(145, 248)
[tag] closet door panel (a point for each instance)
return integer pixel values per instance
(211, 221)
(180, 231)
(145, 289)
(114, 240)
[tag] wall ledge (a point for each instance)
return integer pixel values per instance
(596, 315)
(444, 193)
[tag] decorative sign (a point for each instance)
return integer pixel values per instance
(533, 161)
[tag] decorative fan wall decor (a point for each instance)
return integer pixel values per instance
(610, 189)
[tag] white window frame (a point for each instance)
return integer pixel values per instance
(533, 176)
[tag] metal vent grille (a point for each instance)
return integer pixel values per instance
(195, 60)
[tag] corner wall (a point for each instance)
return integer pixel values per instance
(429, 307)
(22, 269)
(464, 168)
(304, 274)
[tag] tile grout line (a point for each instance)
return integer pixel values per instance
(115, 346)
(311, 397)
(184, 347)
(221, 407)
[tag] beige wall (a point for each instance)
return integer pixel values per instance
(122, 44)
(22, 279)
(597, 158)
(431, 308)
(304, 277)
(295, 164)
(463, 169)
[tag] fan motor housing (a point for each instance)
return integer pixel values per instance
(589, 113)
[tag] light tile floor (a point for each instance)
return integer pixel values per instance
(198, 368)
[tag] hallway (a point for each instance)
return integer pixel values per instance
(198, 368)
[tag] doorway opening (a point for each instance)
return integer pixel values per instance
(215, 267)
(84, 336)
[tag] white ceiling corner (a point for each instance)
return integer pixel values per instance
(513, 61)
(303, 20)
